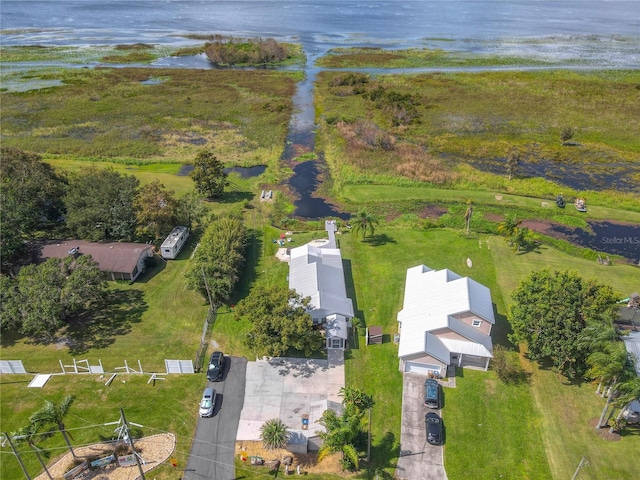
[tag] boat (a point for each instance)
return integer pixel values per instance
(580, 205)
(560, 201)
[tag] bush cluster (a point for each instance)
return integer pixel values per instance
(252, 52)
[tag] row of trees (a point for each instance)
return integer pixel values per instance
(43, 298)
(217, 262)
(96, 204)
(570, 321)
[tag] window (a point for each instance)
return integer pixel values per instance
(476, 322)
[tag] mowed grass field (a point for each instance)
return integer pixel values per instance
(493, 429)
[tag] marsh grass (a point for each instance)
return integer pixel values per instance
(81, 55)
(358, 57)
(466, 122)
(109, 113)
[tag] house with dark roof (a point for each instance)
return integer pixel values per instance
(118, 261)
(316, 271)
(446, 319)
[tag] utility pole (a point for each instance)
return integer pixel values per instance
(15, 452)
(127, 434)
(206, 285)
(369, 438)
(583, 463)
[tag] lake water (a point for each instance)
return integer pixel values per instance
(546, 27)
(604, 32)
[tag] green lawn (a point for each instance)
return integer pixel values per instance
(375, 275)
(377, 269)
(359, 194)
(568, 412)
(150, 320)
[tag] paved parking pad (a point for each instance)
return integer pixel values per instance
(418, 460)
(289, 389)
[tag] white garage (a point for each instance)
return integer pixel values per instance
(421, 368)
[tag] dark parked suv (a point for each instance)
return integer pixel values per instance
(433, 424)
(216, 367)
(432, 393)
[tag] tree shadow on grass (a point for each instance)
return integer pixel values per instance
(379, 239)
(234, 196)
(100, 327)
(383, 457)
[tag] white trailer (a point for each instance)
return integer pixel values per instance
(173, 243)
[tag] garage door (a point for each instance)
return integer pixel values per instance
(421, 368)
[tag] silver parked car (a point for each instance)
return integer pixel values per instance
(208, 402)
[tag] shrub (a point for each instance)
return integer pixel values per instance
(507, 365)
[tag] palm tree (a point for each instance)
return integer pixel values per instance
(274, 434)
(509, 226)
(52, 414)
(607, 363)
(629, 392)
(364, 222)
(467, 215)
(30, 434)
(622, 378)
(609, 353)
(341, 434)
(356, 397)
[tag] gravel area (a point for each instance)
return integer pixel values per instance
(154, 450)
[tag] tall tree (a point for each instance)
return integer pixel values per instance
(364, 222)
(156, 211)
(208, 175)
(278, 322)
(99, 204)
(30, 434)
(44, 296)
(551, 310)
(191, 209)
(30, 194)
(53, 414)
(274, 434)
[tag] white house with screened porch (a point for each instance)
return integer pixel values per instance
(446, 319)
(316, 271)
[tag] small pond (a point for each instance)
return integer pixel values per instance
(607, 237)
(247, 172)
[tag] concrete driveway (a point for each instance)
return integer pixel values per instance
(214, 444)
(288, 389)
(418, 460)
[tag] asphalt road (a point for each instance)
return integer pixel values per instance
(213, 449)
